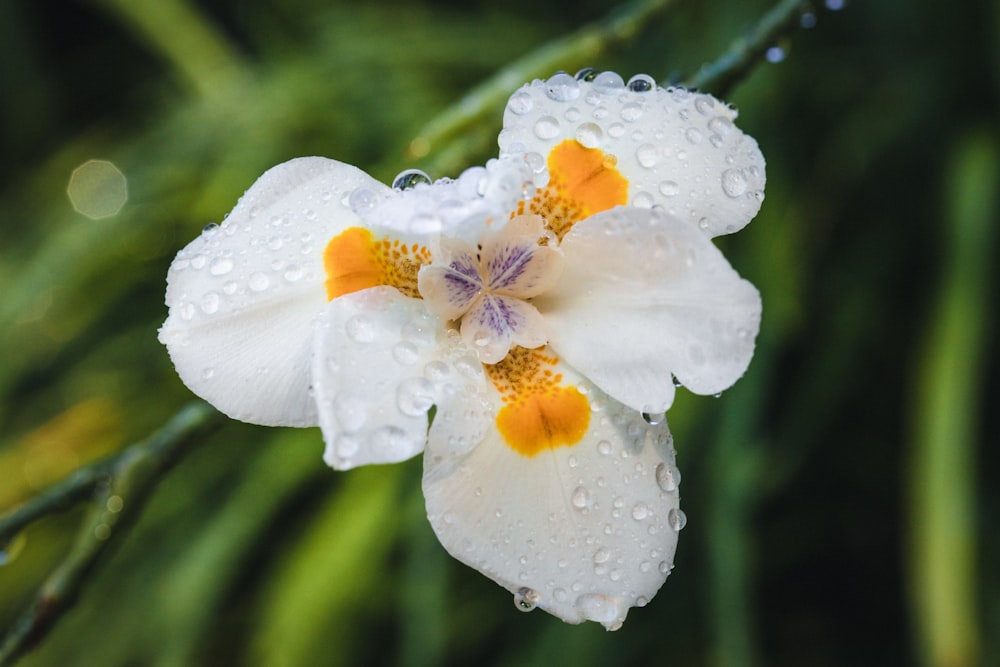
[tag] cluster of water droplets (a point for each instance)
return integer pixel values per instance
(455, 207)
(606, 547)
(678, 149)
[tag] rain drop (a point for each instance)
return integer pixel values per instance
(694, 136)
(586, 74)
(734, 183)
(361, 200)
(405, 353)
(640, 511)
(643, 200)
(647, 155)
(654, 418)
(641, 83)
(415, 396)
(293, 273)
(391, 443)
(631, 112)
(526, 599)
(581, 498)
(410, 178)
(259, 282)
(220, 266)
(210, 303)
(521, 103)
(360, 329)
(589, 134)
(350, 413)
(676, 518)
(608, 83)
(546, 127)
(667, 477)
(562, 87)
(669, 188)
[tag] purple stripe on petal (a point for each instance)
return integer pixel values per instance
(461, 288)
(508, 264)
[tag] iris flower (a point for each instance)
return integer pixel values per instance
(523, 325)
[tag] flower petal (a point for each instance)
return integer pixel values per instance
(676, 148)
(381, 361)
(452, 283)
(242, 294)
(481, 198)
(494, 323)
(514, 262)
(644, 296)
(584, 530)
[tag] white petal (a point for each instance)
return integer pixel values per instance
(480, 199)
(242, 295)
(381, 361)
(676, 148)
(452, 283)
(644, 296)
(495, 322)
(584, 532)
(514, 262)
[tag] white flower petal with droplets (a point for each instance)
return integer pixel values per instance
(494, 323)
(242, 295)
(584, 532)
(677, 149)
(456, 208)
(644, 296)
(381, 361)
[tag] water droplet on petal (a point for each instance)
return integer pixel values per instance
(562, 87)
(589, 134)
(669, 188)
(546, 127)
(259, 282)
(654, 418)
(641, 83)
(405, 353)
(391, 443)
(360, 329)
(667, 477)
(676, 518)
(608, 83)
(734, 183)
(641, 511)
(647, 155)
(220, 266)
(361, 200)
(521, 103)
(526, 599)
(586, 74)
(694, 136)
(581, 498)
(350, 413)
(410, 178)
(415, 396)
(602, 555)
(210, 303)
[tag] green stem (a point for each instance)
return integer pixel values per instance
(747, 50)
(119, 487)
(570, 53)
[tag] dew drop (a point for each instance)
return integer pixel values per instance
(641, 83)
(410, 178)
(350, 413)
(694, 136)
(589, 134)
(647, 155)
(220, 266)
(293, 273)
(210, 303)
(704, 105)
(616, 130)
(562, 87)
(521, 103)
(436, 371)
(604, 447)
(654, 418)
(360, 329)
(602, 555)
(669, 188)
(581, 498)
(676, 518)
(734, 183)
(586, 74)
(535, 161)
(391, 443)
(667, 477)
(258, 281)
(415, 396)
(526, 599)
(608, 83)
(361, 200)
(186, 310)
(640, 511)
(643, 200)
(546, 127)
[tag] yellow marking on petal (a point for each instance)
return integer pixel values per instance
(356, 259)
(582, 182)
(539, 412)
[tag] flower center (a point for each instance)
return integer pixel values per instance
(356, 259)
(488, 289)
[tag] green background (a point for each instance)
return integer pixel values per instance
(840, 497)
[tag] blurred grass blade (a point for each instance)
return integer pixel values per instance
(942, 492)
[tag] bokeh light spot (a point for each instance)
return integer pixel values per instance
(97, 189)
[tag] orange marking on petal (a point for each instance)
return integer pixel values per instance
(355, 260)
(582, 182)
(539, 413)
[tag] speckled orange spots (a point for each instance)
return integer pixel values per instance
(539, 412)
(582, 182)
(356, 260)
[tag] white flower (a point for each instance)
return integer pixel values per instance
(541, 304)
